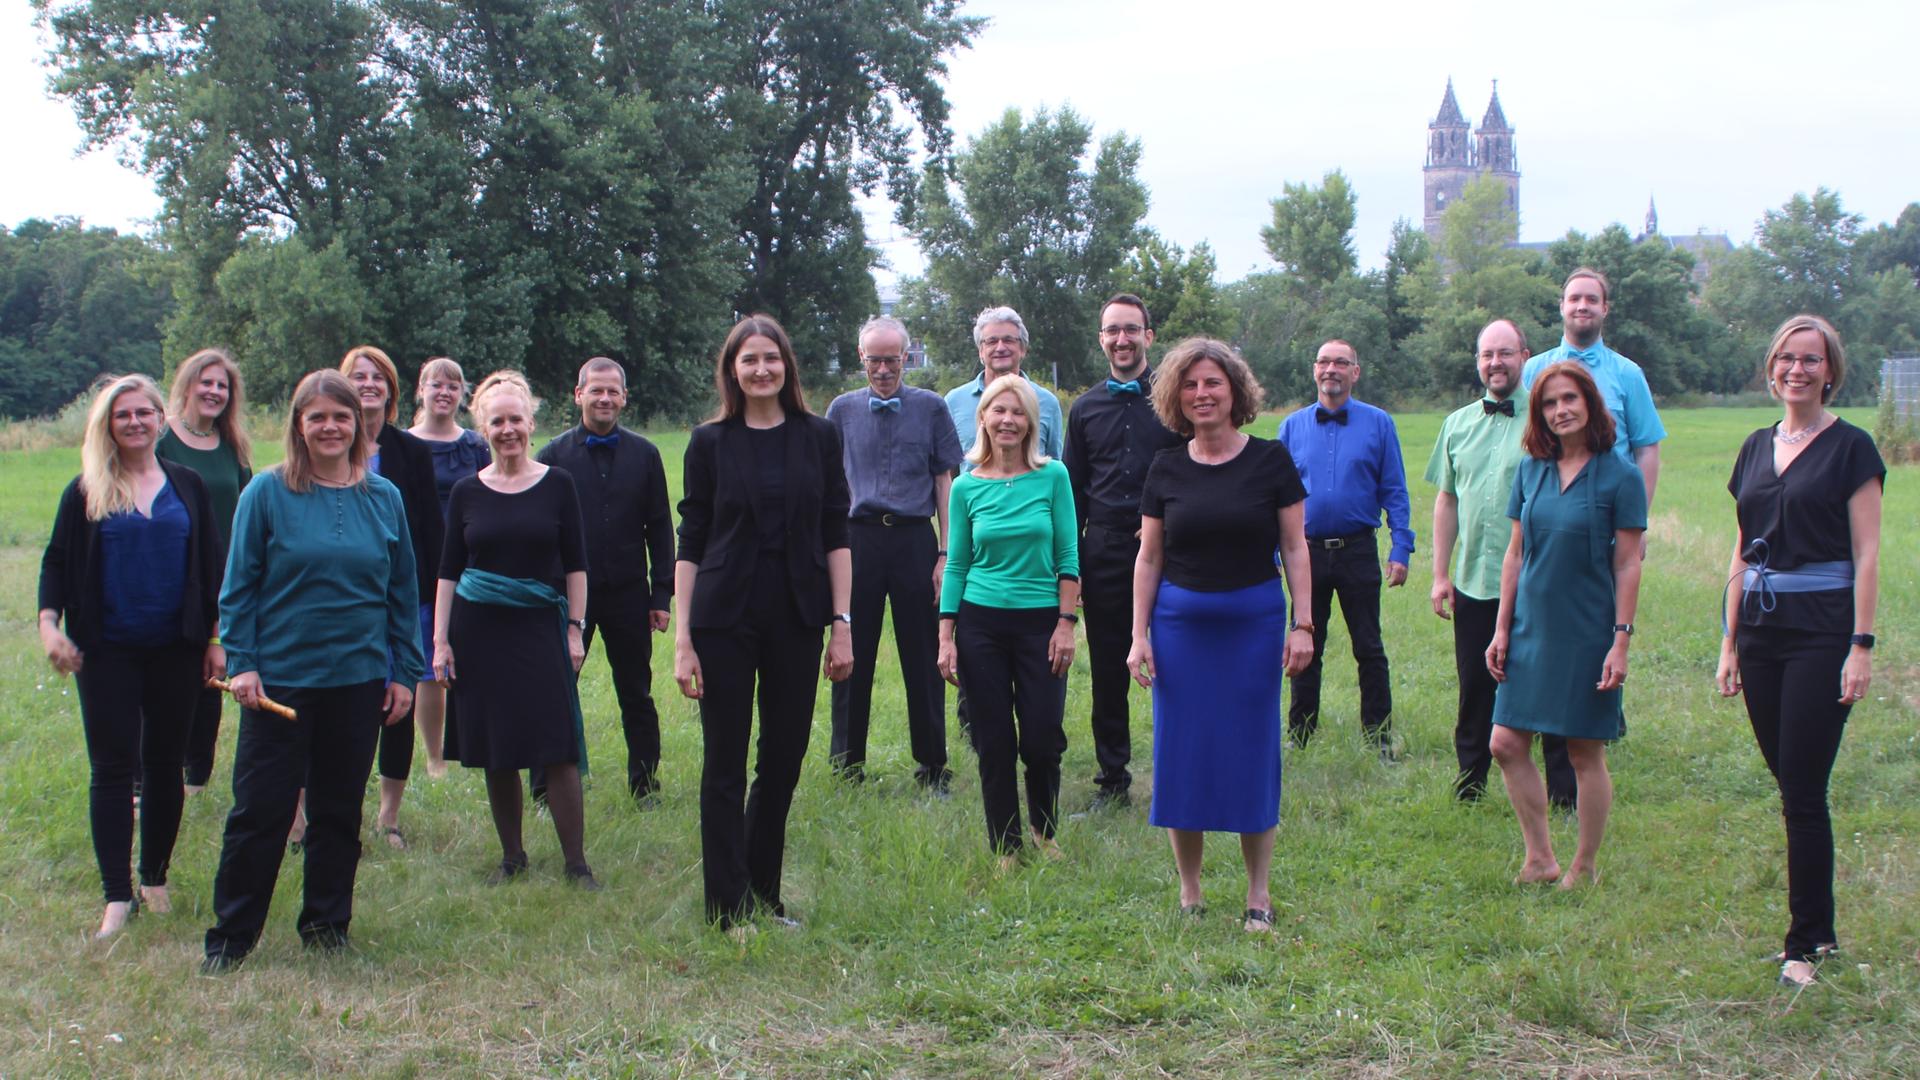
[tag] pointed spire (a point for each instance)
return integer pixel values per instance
(1653, 218)
(1495, 120)
(1450, 115)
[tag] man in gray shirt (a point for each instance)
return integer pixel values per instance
(900, 450)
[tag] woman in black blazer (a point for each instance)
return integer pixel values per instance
(406, 461)
(763, 567)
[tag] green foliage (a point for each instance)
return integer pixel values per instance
(1311, 235)
(1653, 316)
(1178, 288)
(1033, 228)
(1888, 246)
(1476, 229)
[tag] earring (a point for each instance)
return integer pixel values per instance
(1829, 386)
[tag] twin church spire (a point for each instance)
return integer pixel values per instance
(1457, 153)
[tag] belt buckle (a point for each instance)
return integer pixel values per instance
(1334, 543)
(886, 519)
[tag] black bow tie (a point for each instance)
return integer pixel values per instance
(1493, 406)
(1322, 416)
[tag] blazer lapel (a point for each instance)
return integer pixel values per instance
(739, 461)
(799, 466)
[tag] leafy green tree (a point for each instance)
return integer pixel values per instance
(1178, 288)
(1311, 235)
(1475, 229)
(1652, 316)
(1034, 228)
(1885, 246)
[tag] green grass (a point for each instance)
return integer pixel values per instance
(1403, 950)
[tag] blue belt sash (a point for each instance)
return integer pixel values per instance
(1760, 584)
(486, 587)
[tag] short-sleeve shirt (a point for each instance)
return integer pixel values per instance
(1621, 383)
(892, 456)
(456, 459)
(534, 533)
(963, 404)
(1474, 460)
(1801, 516)
(1222, 522)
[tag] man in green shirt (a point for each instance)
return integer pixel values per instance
(1473, 465)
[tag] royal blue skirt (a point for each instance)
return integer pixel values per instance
(1216, 707)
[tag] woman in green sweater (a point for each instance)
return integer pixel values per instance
(1007, 612)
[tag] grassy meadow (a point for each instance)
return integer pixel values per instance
(1402, 948)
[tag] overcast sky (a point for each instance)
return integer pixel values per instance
(1719, 110)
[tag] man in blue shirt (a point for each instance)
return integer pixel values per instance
(1348, 454)
(900, 450)
(1001, 336)
(1583, 312)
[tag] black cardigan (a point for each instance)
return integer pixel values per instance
(406, 461)
(70, 573)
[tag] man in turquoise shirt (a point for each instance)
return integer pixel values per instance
(1001, 336)
(1473, 464)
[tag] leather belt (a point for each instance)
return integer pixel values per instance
(1335, 543)
(889, 520)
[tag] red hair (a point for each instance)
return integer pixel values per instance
(1539, 440)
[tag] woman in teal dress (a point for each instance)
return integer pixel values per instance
(1568, 589)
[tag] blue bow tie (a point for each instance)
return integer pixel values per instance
(1588, 355)
(883, 404)
(603, 440)
(1131, 386)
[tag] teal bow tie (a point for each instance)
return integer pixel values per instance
(1131, 386)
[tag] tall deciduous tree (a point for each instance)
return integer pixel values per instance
(1311, 235)
(1178, 288)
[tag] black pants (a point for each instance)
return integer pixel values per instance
(1792, 680)
(622, 617)
(1016, 703)
(1352, 573)
(742, 848)
(1473, 625)
(135, 706)
(202, 736)
(396, 743)
(329, 749)
(893, 564)
(1106, 578)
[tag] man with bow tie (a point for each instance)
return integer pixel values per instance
(1473, 464)
(900, 449)
(624, 515)
(1112, 435)
(1348, 454)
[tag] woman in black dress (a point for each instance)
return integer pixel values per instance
(763, 567)
(1803, 583)
(508, 622)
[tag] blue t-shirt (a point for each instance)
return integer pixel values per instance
(1622, 385)
(143, 570)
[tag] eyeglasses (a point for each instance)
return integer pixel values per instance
(884, 361)
(145, 415)
(996, 342)
(1128, 330)
(1334, 361)
(1788, 361)
(1502, 354)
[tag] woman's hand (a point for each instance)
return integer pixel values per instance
(214, 664)
(1855, 674)
(398, 700)
(839, 662)
(1726, 677)
(1613, 670)
(686, 670)
(246, 689)
(443, 663)
(576, 647)
(1140, 661)
(947, 660)
(1497, 656)
(1297, 653)
(1060, 647)
(62, 653)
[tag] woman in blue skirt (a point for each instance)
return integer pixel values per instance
(1210, 628)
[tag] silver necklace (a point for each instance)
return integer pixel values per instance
(1797, 437)
(196, 432)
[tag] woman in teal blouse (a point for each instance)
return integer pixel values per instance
(320, 591)
(1007, 612)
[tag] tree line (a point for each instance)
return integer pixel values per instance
(526, 183)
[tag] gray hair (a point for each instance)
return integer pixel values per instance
(889, 324)
(998, 315)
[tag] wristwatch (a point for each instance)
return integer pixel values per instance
(1307, 626)
(845, 617)
(1865, 641)
(1623, 628)
(578, 624)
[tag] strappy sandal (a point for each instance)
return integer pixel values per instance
(394, 837)
(1258, 921)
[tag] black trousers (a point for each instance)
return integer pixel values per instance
(396, 743)
(202, 736)
(1106, 578)
(1352, 573)
(1792, 681)
(329, 749)
(1016, 703)
(136, 705)
(622, 618)
(1473, 624)
(893, 564)
(743, 847)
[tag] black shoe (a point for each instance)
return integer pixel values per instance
(326, 939)
(581, 876)
(510, 867)
(219, 963)
(1109, 798)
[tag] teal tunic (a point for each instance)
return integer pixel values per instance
(1563, 611)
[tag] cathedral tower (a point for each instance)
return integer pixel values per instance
(1493, 152)
(1449, 160)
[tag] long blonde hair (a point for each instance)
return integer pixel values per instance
(297, 470)
(108, 489)
(231, 423)
(440, 367)
(1017, 385)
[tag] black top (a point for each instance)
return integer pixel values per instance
(71, 576)
(406, 461)
(1802, 517)
(770, 482)
(1222, 521)
(527, 534)
(624, 509)
(1111, 441)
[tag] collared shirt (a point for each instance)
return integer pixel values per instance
(1111, 440)
(1352, 472)
(963, 402)
(893, 457)
(1474, 460)
(1624, 387)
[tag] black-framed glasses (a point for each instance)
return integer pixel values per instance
(1126, 330)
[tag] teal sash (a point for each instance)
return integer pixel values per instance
(487, 587)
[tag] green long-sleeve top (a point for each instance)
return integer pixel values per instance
(1010, 542)
(320, 586)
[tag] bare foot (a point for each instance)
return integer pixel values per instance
(1048, 846)
(1577, 878)
(1006, 864)
(155, 899)
(193, 789)
(1538, 873)
(394, 837)
(113, 920)
(437, 769)
(1797, 974)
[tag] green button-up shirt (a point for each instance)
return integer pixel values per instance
(1474, 460)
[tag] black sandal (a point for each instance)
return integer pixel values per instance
(1258, 921)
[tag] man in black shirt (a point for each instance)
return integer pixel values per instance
(622, 486)
(1112, 436)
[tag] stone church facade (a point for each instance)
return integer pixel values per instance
(1457, 153)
